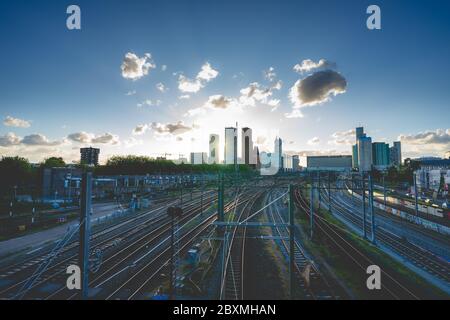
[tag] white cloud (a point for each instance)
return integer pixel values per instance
(439, 136)
(16, 122)
(9, 139)
(189, 85)
(430, 142)
(81, 137)
(171, 128)
(106, 138)
(218, 101)
(294, 114)
(84, 137)
(132, 142)
(313, 141)
(200, 111)
(131, 93)
(255, 93)
(309, 65)
(184, 97)
(163, 67)
(161, 87)
(149, 103)
(270, 74)
(206, 74)
(140, 129)
(38, 140)
(317, 88)
(134, 67)
(343, 138)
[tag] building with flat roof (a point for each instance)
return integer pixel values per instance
(89, 156)
(380, 155)
(277, 156)
(248, 156)
(326, 163)
(230, 145)
(395, 154)
(199, 158)
(214, 149)
(365, 154)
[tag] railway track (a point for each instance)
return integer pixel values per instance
(105, 239)
(392, 287)
(313, 285)
(232, 285)
(148, 274)
(422, 259)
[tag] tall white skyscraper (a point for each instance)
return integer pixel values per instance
(248, 152)
(214, 149)
(277, 157)
(365, 161)
(230, 145)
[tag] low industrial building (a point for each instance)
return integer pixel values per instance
(326, 163)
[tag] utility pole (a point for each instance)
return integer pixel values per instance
(311, 210)
(364, 205)
(415, 194)
(220, 209)
(291, 241)
(174, 213)
(372, 211)
(181, 192)
(85, 226)
(329, 191)
(352, 183)
(318, 189)
(384, 191)
(201, 196)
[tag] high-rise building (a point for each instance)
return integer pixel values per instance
(364, 154)
(396, 154)
(277, 157)
(89, 156)
(231, 145)
(380, 155)
(355, 163)
(359, 133)
(248, 152)
(199, 158)
(295, 162)
(214, 149)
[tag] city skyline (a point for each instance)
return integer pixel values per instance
(140, 94)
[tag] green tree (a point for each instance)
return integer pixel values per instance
(15, 172)
(54, 162)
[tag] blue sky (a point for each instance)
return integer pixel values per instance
(69, 88)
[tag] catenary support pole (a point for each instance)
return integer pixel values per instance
(311, 210)
(416, 192)
(372, 209)
(364, 205)
(329, 192)
(85, 218)
(291, 242)
(318, 190)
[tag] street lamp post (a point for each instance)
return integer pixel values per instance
(174, 213)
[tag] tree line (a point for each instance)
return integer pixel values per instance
(18, 172)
